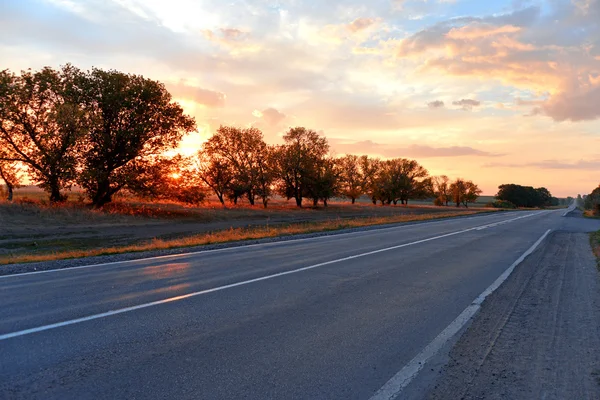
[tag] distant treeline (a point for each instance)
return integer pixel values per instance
(108, 131)
(591, 201)
(527, 196)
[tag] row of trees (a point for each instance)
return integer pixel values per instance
(107, 131)
(592, 201)
(236, 163)
(526, 196)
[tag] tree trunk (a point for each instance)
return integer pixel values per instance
(9, 188)
(396, 202)
(315, 202)
(374, 200)
(325, 202)
(353, 200)
(221, 199)
(55, 195)
(298, 201)
(265, 201)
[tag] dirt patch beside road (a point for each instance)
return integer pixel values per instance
(538, 335)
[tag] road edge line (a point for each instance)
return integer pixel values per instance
(393, 388)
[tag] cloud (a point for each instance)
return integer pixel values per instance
(581, 165)
(435, 104)
(467, 104)
(554, 52)
(208, 98)
(360, 24)
(412, 151)
(270, 116)
(574, 107)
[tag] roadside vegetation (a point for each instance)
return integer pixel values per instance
(591, 203)
(595, 241)
(98, 146)
(108, 132)
(33, 232)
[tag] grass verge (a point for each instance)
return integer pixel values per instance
(595, 242)
(230, 235)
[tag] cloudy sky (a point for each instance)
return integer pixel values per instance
(496, 91)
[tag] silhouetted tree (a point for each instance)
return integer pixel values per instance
(248, 155)
(525, 196)
(11, 174)
(441, 186)
(323, 182)
(351, 177)
(216, 173)
(296, 161)
(41, 124)
(401, 179)
(464, 192)
(132, 119)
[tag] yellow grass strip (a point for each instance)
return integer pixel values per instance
(231, 235)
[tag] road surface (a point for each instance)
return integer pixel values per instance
(333, 317)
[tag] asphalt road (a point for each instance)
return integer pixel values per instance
(325, 318)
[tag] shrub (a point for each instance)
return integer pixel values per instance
(502, 204)
(438, 202)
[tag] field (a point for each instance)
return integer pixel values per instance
(32, 230)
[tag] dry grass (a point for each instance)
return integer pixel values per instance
(590, 214)
(595, 242)
(230, 235)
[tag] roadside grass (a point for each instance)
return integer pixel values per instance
(590, 214)
(595, 242)
(72, 249)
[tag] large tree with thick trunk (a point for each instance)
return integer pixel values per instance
(41, 125)
(297, 161)
(132, 119)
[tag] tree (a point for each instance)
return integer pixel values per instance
(441, 187)
(592, 201)
(167, 178)
(401, 179)
(131, 119)
(352, 180)
(370, 168)
(41, 125)
(216, 173)
(464, 192)
(248, 155)
(296, 161)
(525, 196)
(323, 182)
(10, 173)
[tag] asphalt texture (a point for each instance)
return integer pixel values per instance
(338, 330)
(537, 336)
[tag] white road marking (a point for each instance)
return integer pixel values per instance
(217, 289)
(393, 388)
(568, 211)
(172, 256)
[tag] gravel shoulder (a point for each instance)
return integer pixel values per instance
(537, 336)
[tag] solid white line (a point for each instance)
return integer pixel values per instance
(217, 289)
(398, 382)
(172, 256)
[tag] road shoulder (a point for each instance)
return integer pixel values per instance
(535, 337)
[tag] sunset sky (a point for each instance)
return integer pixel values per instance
(497, 91)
